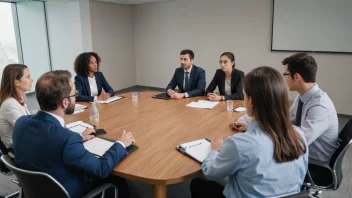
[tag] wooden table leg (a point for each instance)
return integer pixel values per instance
(159, 191)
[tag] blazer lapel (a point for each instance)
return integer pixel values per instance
(222, 82)
(233, 80)
(192, 76)
(86, 83)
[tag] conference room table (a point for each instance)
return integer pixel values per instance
(159, 126)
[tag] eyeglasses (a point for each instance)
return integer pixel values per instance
(75, 95)
(285, 74)
(225, 62)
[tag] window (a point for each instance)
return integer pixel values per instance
(8, 43)
(23, 37)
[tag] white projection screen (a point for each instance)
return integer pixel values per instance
(312, 26)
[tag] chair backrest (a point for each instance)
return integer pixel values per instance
(303, 194)
(35, 184)
(3, 148)
(345, 140)
(4, 151)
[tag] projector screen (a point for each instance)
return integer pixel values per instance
(312, 25)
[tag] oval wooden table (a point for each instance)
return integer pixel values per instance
(158, 127)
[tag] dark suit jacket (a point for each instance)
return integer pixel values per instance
(236, 84)
(82, 85)
(42, 144)
(197, 81)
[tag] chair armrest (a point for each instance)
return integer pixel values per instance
(100, 190)
(318, 163)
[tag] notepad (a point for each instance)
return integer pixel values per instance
(203, 104)
(78, 126)
(97, 146)
(198, 149)
(111, 99)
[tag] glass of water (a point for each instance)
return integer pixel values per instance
(229, 105)
(134, 96)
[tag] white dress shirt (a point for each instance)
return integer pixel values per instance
(93, 87)
(10, 111)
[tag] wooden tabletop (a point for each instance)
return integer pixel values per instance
(158, 127)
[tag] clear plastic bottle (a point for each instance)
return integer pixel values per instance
(94, 114)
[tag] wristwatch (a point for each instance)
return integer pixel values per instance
(222, 97)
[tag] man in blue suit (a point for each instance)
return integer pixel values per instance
(189, 78)
(42, 143)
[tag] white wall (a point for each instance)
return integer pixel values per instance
(211, 27)
(69, 32)
(34, 40)
(112, 27)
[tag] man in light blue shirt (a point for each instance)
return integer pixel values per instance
(312, 109)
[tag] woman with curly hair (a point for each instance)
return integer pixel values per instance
(89, 81)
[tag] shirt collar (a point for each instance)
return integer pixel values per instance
(60, 119)
(189, 69)
(252, 125)
(308, 95)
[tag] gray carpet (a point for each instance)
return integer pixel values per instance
(140, 190)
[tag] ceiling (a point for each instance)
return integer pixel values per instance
(131, 2)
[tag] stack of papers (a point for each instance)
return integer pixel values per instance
(97, 146)
(79, 108)
(198, 149)
(78, 126)
(111, 99)
(203, 104)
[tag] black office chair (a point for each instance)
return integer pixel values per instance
(303, 194)
(335, 166)
(4, 170)
(38, 184)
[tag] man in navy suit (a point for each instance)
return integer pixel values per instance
(42, 143)
(189, 78)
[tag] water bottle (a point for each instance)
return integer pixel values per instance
(94, 115)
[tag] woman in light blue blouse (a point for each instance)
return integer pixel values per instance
(270, 159)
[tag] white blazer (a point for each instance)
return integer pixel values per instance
(10, 111)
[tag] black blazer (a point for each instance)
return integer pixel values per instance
(197, 81)
(236, 84)
(82, 85)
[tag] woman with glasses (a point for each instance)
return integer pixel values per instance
(15, 81)
(227, 79)
(89, 81)
(270, 158)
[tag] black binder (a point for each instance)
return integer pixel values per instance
(130, 149)
(182, 150)
(163, 96)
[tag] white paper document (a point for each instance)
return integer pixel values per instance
(111, 99)
(78, 126)
(203, 104)
(97, 146)
(198, 149)
(79, 108)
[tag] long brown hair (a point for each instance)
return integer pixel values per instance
(11, 73)
(268, 91)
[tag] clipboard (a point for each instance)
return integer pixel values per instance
(203, 144)
(163, 96)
